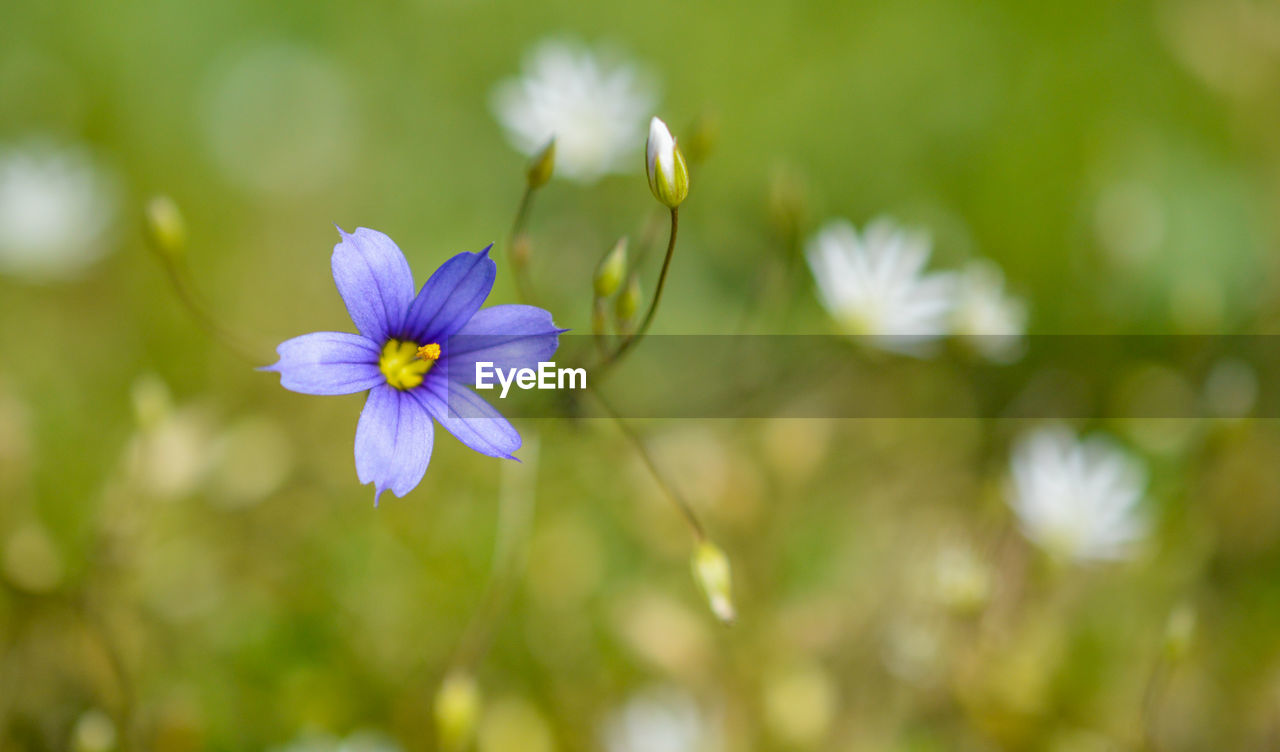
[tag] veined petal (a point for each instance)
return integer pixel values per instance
(467, 416)
(451, 297)
(327, 363)
(393, 442)
(374, 280)
(509, 336)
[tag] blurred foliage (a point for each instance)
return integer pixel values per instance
(189, 563)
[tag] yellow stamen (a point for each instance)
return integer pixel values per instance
(429, 352)
(401, 365)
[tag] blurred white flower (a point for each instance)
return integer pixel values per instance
(874, 285)
(991, 321)
(56, 209)
(251, 459)
(594, 107)
(170, 458)
(658, 720)
(1077, 498)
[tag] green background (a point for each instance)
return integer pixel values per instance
(199, 615)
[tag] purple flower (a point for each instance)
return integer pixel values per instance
(415, 356)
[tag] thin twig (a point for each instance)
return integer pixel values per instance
(185, 292)
(686, 511)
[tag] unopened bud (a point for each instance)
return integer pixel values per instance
(166, 229)
(702, 137)
(457, 709)
(665, 165)
(711, 570)
(542, 165)
(627, 304)
(611, 269)
(1180, 632)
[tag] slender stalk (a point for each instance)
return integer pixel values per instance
(686, 511)
(520, 264)
(184, 290)
(631, 341)
(662, 278)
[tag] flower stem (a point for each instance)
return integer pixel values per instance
(631, 341)
(182, 287)
(686, 511)
(517, 256)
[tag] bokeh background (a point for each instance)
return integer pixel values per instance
(188, 561)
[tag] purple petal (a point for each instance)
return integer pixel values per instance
(393, 442)
(469, 418)
(374, 280)
(509, 336)
(328, 363)
(451, 297)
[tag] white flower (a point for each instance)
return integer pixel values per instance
(595, 109)
(875, 285)
(659, 720)
(56, 209)
(665, 165)
(1077, 498)
(991, 320)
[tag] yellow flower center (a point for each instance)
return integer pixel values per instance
(404, 364)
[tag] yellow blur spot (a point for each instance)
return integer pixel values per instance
(401, 365)
(429, 352)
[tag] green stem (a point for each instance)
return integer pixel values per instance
(520, 266)
(686, 511)
(185, 292)
(632, 340)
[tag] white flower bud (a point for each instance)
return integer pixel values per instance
(665, 165)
